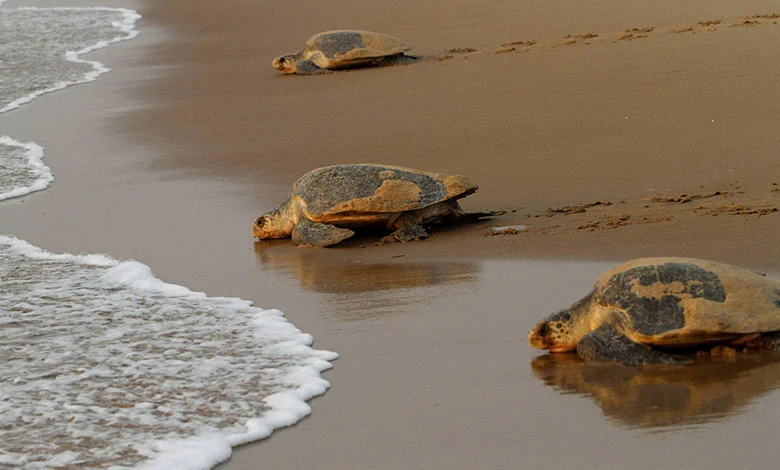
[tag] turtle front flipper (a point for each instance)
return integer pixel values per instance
(606, 343)
(398, 59)
(308, 233)
(307, 67)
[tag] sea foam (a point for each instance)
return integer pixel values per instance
(106, 366)
(21, 168)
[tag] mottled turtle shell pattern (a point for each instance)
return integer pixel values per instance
(374, 189)
(343, 47)
(679, 301)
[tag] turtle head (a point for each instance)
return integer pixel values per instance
(561, 331)
(285, 63)
(273, 224)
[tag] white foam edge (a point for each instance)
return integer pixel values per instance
(31, 251)
(204, 451)
(35, 164)
(126, 25)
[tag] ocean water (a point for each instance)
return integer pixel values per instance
(102, 365)
(40, 52)
(41, 48)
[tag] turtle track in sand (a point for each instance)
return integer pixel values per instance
(628, 34)
(660, 208)
(663, 207)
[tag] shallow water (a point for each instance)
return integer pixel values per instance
(102, 360)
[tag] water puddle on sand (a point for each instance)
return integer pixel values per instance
(453, 333)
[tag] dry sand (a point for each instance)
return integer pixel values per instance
(673, 131)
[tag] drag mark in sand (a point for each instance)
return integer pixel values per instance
(627, 34)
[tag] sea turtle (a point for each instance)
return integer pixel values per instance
(645, 306)
(343, 49)
(328, 202)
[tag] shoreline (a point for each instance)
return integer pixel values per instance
(168, 158)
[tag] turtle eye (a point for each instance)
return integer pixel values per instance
(542, 329)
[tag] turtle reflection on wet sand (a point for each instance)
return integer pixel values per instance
(353, 278)
(328, 204)
(644, 311)
(712, 389)
(343, 49)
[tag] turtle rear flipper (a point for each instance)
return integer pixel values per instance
(407, 233)
(606, 343)
(770, 340)
(410, 225)
(308, 233)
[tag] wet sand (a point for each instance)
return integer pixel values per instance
(169, 158)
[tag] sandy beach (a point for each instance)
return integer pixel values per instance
(620, 117)
(612, 131)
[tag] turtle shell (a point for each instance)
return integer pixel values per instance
(686, 302)
(347, 47)
(366, 191)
